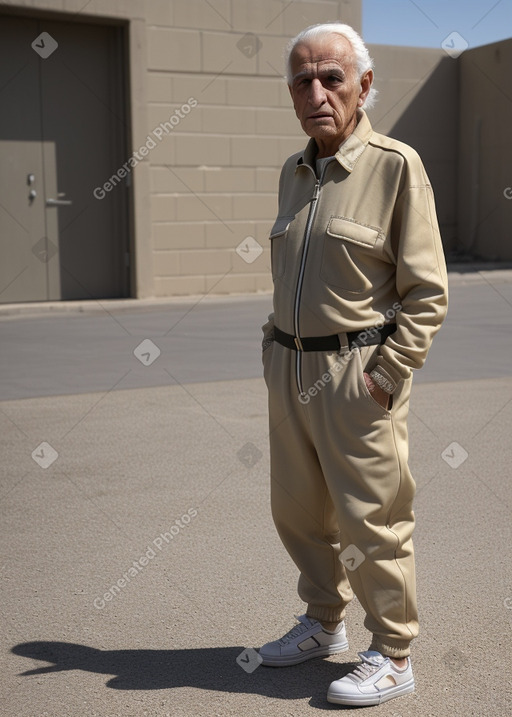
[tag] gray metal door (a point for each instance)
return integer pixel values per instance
(62, 133)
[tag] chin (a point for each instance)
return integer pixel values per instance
(318, 133)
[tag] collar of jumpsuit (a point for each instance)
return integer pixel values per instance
(349, 151)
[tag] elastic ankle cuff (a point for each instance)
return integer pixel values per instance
(326, 614)
(398, 649)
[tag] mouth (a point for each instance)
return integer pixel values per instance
(320, 115)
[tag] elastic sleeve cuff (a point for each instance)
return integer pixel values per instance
(385, 377)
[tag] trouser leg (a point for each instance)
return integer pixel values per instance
(343, 443)
(302, 507)
(363, 451)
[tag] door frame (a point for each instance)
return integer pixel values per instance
(134, 73)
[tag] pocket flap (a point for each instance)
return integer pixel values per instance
(280, 226)
(350, 230)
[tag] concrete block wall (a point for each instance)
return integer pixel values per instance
(211, 71)
(213, 181)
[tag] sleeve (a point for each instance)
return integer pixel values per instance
(421, 283)
(268, 327)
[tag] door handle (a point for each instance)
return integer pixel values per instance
(58, 202)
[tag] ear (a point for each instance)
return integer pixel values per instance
(366, 84)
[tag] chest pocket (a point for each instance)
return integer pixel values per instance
(278, 244)
(351, 258)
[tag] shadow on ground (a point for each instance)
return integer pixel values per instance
(212, 669)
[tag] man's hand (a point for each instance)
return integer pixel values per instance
(377, 392)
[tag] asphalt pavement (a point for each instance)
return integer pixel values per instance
(140, 566)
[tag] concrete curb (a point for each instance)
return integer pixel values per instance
(460, 274)
(117, 306)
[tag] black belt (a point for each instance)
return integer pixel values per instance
(366, 337)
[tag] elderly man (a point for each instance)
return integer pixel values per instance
(360, 289)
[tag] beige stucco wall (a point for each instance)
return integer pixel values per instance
(485, 156)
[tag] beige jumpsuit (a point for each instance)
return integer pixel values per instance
(355, 248)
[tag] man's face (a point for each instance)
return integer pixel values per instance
(326, 90)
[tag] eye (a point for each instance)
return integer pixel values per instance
(301, 84)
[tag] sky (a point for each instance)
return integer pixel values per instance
(427, 23)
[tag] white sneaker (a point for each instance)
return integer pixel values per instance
(377, 679)
(306, 640)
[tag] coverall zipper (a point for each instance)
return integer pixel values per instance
(300, 279)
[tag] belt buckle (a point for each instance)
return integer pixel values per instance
(344, 343)
(298, 343)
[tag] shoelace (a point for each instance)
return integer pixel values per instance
(363, 671)
(293, 633)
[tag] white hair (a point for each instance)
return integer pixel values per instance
(363, 60)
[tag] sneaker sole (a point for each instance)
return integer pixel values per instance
(288, 660)
(369, 700)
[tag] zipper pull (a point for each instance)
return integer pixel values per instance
(316, 191)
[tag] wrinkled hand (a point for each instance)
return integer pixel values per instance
(377, 392)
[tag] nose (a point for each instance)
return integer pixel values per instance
(317, 95)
